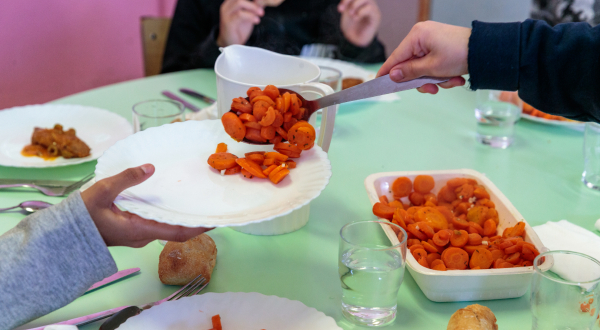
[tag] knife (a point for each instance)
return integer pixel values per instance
(45, 183)
(184, 102)
(83, 320)
(193, 93)
(117, 276)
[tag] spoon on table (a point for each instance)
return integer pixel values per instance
(29, 206)
(376, 87)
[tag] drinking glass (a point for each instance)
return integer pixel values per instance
(497, 112)
(371, 266)
(565, 291)
(332, 77)
(591, 154)
(155, 113)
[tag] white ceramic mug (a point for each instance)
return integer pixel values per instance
(240, 67)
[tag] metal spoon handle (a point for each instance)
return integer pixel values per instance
(376, 87)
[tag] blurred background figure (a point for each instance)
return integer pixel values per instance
(326, 28)
(566, 11)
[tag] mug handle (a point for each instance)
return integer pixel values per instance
(328, 116)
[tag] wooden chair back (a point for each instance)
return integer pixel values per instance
(155, 31)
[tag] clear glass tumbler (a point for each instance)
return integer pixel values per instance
(591, 154)
(371, 266)
(497, 112)
(155, 113)
(331, 77)
(565, 291)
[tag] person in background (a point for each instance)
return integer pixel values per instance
(555, 69)
(343, 29)
(53, 256)
(566, 11)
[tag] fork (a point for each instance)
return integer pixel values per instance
(52, 191)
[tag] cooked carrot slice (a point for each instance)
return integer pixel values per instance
(412, 228)
(475, 239)
(464, 192)
(278, 120)
(276, 176)
(429, 248)
(233, 170)
(245, 117)
(432, 217)
(401, 187)
(436, 262)
(415, 246)
(242, 105)
(254, 94)
(287, 117)
(480, 192)
(419, 253)
(263, 98)
(253, 124)
(481, 258)
(399, 218)
(252, 89)
(489, 227)
(257, 158)
(268, 118)
(431, 257)
(446, 194)
(267, 132)
(272, 92)
(302, 134)
(247, 174)
(288, 124)
(269, 169)
(477, 214)
(287, 100)
(259, 109)
(441, 238)
(276, 155)
(233, 126)
(471, 248)
(459, 238)
(222, 160)
(497, 254)
(513, 249)
(276, 139)
(426, 229)
(251, 167)
(514, 258)
(412, 241)
(282, 132)
(254, 135)
(216, 322)
(416, 198)
(423, 262)
(288, 149)
(456, 182)
(455, 258)
(290, 163)
(423, 184)
(383, 211)
(475, 228)
(396, 203)
(221, 147)
(440, 267)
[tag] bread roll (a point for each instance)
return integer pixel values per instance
(179, 263)
(473, 317)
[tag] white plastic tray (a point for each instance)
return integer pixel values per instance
(463, 285)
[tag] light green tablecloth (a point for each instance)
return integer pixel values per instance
(540, 174)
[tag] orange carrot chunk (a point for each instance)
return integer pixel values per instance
(455, 258)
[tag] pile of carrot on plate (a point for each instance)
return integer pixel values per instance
(455, 229)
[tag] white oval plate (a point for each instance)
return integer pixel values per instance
(98, 128)
(577, 125)
(186, 191)
(238, 310)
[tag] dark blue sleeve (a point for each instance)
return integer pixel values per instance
(555, 69)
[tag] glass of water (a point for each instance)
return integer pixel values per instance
(565, 291)
(155, 113)
(497, 112)
(591, 154)
(371, 268)
(331, 77)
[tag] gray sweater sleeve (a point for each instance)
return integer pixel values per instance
(50, 258)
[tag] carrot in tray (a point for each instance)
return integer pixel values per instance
(383, 211)
(459, 238)
(455, 258)
(441, 238)
(423, 184)
(481, 258)
(401, 187)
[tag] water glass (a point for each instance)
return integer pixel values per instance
(565, 291)
(371, 266)
(591, 154)
(497, 112)
(155, 113)
(332, 77)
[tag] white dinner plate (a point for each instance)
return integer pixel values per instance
(238, 311)
(577, 125)
(98, 128)
(186, 191)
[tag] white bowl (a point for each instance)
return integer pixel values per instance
(464, 285)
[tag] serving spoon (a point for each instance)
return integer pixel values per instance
(29, 206)
(375, 87)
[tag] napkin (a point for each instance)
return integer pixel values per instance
(563, 235)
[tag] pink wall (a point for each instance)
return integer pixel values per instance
(50, 49)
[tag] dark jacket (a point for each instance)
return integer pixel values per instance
(283, 29)
(555, 69)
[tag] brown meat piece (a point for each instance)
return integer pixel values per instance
(473, 317)
(64, 143)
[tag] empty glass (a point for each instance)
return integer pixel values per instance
(591, 154)
(371, 268)
(331, 77)
(565, 291)
(497, 113)
(155, 113)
